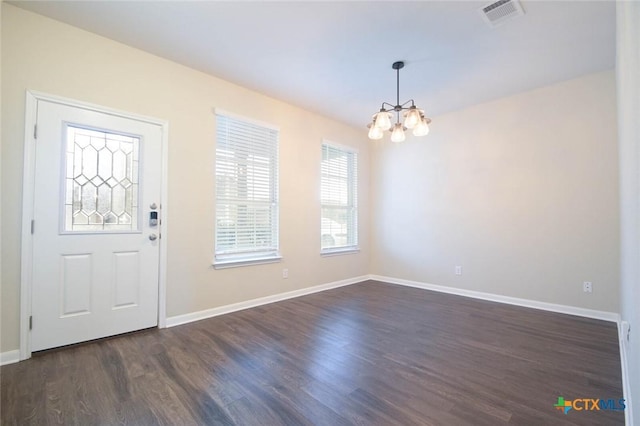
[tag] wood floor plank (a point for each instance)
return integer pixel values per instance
(366, 354)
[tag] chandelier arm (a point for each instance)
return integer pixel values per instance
(387, 103)
(412, 104)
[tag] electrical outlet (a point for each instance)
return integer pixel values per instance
(285, 273)
(587, 287)
(458, 270)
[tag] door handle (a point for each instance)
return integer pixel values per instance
(153, 237)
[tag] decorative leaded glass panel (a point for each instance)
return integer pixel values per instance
(101, 181)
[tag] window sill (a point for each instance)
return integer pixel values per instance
(235, 263)
(339, 251)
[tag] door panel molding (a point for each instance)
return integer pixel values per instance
(28, 190)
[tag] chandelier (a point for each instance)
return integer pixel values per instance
(414, 118)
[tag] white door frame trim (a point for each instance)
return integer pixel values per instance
(28, 191)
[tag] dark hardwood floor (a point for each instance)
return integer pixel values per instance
(367, 354)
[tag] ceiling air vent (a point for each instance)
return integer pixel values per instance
(498, 12)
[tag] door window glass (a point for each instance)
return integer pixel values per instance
(101, 181)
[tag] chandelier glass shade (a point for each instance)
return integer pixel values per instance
(414, 118)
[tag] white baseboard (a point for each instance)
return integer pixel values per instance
(623, 328)
(9, 357)
(221, 310)
(563, 309)
(226, 309)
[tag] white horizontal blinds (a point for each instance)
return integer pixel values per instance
(339, 198)
(246, 190)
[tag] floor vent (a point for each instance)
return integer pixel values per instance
(498, 12)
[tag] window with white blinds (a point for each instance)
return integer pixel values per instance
(339, 199)
(246, 192)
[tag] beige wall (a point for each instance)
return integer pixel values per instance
(1, 234)
(521, 192)
(44, 55)
(628, 79)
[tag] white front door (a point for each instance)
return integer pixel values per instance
(95, 248)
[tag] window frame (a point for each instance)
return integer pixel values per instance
(352, 203)
(248, 257)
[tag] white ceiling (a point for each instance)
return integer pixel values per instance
(335, 58)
